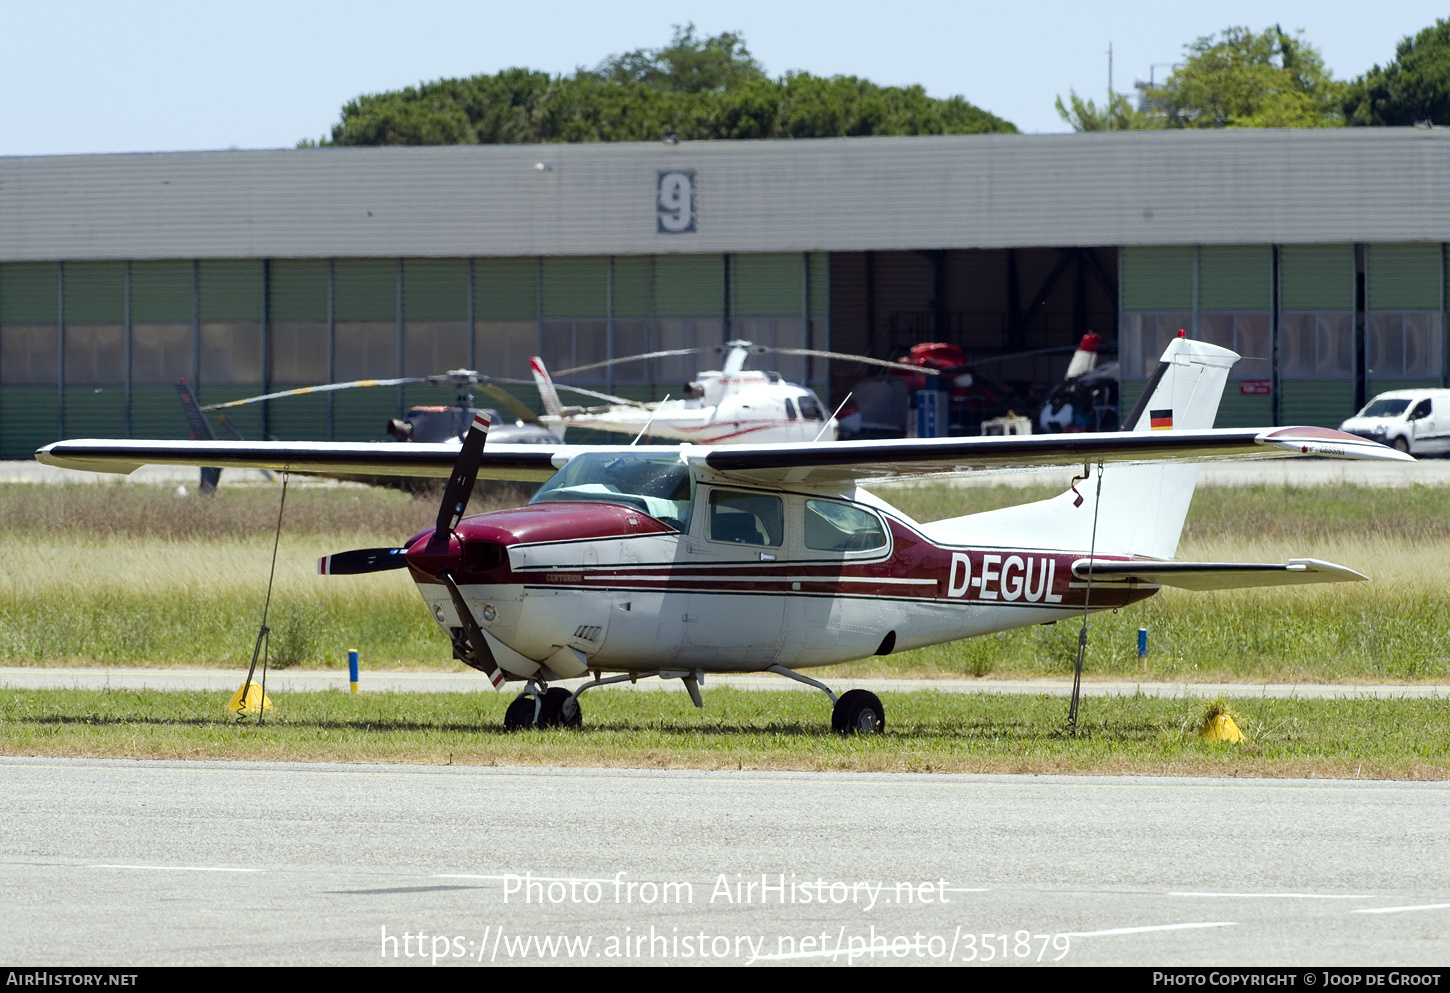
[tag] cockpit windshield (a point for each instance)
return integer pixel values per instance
(660, 485)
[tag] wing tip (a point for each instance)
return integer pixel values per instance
(1329, 443)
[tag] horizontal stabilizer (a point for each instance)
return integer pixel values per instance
(1214, 575)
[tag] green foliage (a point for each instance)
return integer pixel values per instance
(686, 65)
(700, 89)
(1118, 115)
(1240, 79)
(1415, 86)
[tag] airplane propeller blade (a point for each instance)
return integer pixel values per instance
(482, 655)
(460, 484)
(361, 561)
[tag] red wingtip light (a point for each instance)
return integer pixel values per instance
(1182, 333)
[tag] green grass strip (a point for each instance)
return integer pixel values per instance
(926, 732)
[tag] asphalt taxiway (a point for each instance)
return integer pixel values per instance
(205, 863)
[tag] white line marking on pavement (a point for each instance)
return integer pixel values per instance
(515, 875)
(177, 868)
(1153, 927)
(1283, 896)
(593, 879)
(1396, 910)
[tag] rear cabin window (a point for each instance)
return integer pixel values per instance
(746, 518)
(839, 527)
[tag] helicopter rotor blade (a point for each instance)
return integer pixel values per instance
(510, 403)
(864, 359)
(633, 358)
(607, 397)
(325, 388)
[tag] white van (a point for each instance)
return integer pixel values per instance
(1414, 421)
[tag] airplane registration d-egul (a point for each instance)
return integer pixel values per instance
(678, 562)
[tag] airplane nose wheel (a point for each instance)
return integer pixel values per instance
(557, 709)
(858, 712)
(560, 709)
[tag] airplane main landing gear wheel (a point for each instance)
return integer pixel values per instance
(560, 709)
(858, 712)
(520, 714)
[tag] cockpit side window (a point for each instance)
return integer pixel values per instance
(811, 409)
(746, 518)
(789, 410)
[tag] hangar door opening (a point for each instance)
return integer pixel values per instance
(1015, 313)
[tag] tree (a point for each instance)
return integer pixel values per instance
(1118, 115)
(698, 88)
(1415, 86)
(686, 65)
(1239, 79)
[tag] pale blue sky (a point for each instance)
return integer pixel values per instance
(84, 76)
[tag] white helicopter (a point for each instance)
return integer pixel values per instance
(726, 406)
(681, 562)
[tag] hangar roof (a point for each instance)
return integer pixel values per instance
(837, 194)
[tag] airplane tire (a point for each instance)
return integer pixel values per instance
(520, 714)
(560, 709)
(858, 712)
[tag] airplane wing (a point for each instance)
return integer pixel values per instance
(823, 463)
(522, 462)
(847, 461)
(1213, 575)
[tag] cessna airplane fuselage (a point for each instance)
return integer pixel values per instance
(741, 579)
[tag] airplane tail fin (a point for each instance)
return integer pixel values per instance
(1142, 507)
(547, 393)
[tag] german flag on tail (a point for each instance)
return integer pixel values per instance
(1160, 420)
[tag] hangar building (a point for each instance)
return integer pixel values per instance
(1318, 255)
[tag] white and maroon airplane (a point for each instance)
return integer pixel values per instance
(680, 562)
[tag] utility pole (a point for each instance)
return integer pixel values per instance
(1110, 87)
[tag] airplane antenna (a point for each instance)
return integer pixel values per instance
(649, 422)
(1087, 597)
(264, 631)
(831, 418)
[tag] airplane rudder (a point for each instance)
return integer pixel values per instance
(1185, 389)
